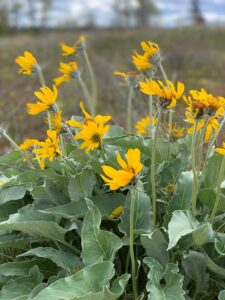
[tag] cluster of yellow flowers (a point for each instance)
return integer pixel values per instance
(203, 111)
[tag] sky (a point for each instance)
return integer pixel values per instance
(172, 12)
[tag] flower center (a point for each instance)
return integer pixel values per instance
(96, 138)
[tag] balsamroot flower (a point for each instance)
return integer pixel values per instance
(99, 119)
(78, 46)
(175, 132)
(221, 150)
(201, 103)
(48, 98)
(116, 179)
(27, 63)
(28, 143)
(132, 78)
(149, 59)
(69, 70)
(92, 135)
(48, 149)
(56, 121)
(116, 212)
(168, 94)
(142, 126)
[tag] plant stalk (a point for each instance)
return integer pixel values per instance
(129, 109)
(87, 96)
(153, 181)
(93, 80)
(218, 190)
(193, 164)
(132, 256)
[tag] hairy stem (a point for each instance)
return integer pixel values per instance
(132, 256)
(218, 190)
(153, 175)
(87, 96)
(93, 80)
(194, 170)
(129, 108)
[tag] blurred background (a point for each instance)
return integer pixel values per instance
(190, 33)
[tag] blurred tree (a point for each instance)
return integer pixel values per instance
(144, 11)
(4, 20)
(46, 8)
(196, 13)
(32, 12)
(14, 10)
(124, 13)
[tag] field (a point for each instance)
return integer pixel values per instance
(195, 56)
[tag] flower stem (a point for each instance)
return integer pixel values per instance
(93, 80)
(193, 164)
(132, 256)
(129, 108)
(218, 189)
(165, 79)
(153, 181)
(87, 96)
(42, 81)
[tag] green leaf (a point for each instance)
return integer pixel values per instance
(21, 268)
(118, 287)
(142, 215)
(81, 185)
(171, 288)
(156, 246)
(15, 192)
(208, 196)
(204, 234)
(88, 284)
(220, 244)
(13, 241)
(23, 287)
(212, 171)
(106, 203)
(182, 198)
(11, 157)
(72, 210)
(114, 131)
(54, 193)
(64, 260)
(222, 295)
(212, 266)
(180, 225)
(30, 221)
(97, 245)
(194, 265)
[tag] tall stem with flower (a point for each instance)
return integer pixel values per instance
(194, 169)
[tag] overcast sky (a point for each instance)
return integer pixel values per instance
(172, 12)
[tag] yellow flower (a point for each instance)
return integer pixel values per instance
(78, 45)
(92, 135)
(191, 120)
(142, 126)
(221, 150)
(142, 62)
(48, 149)
(48, 98)
(116, 179)
(28, 143)
(168, 95)
(170, 188)
(69, 70)
(116, 212)
(149, 59)
(201, 103)
(212, 126)
(56, 121)
(130, 77)
(150, 48)
(27, 63)
(176, 132)
(99, 119)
